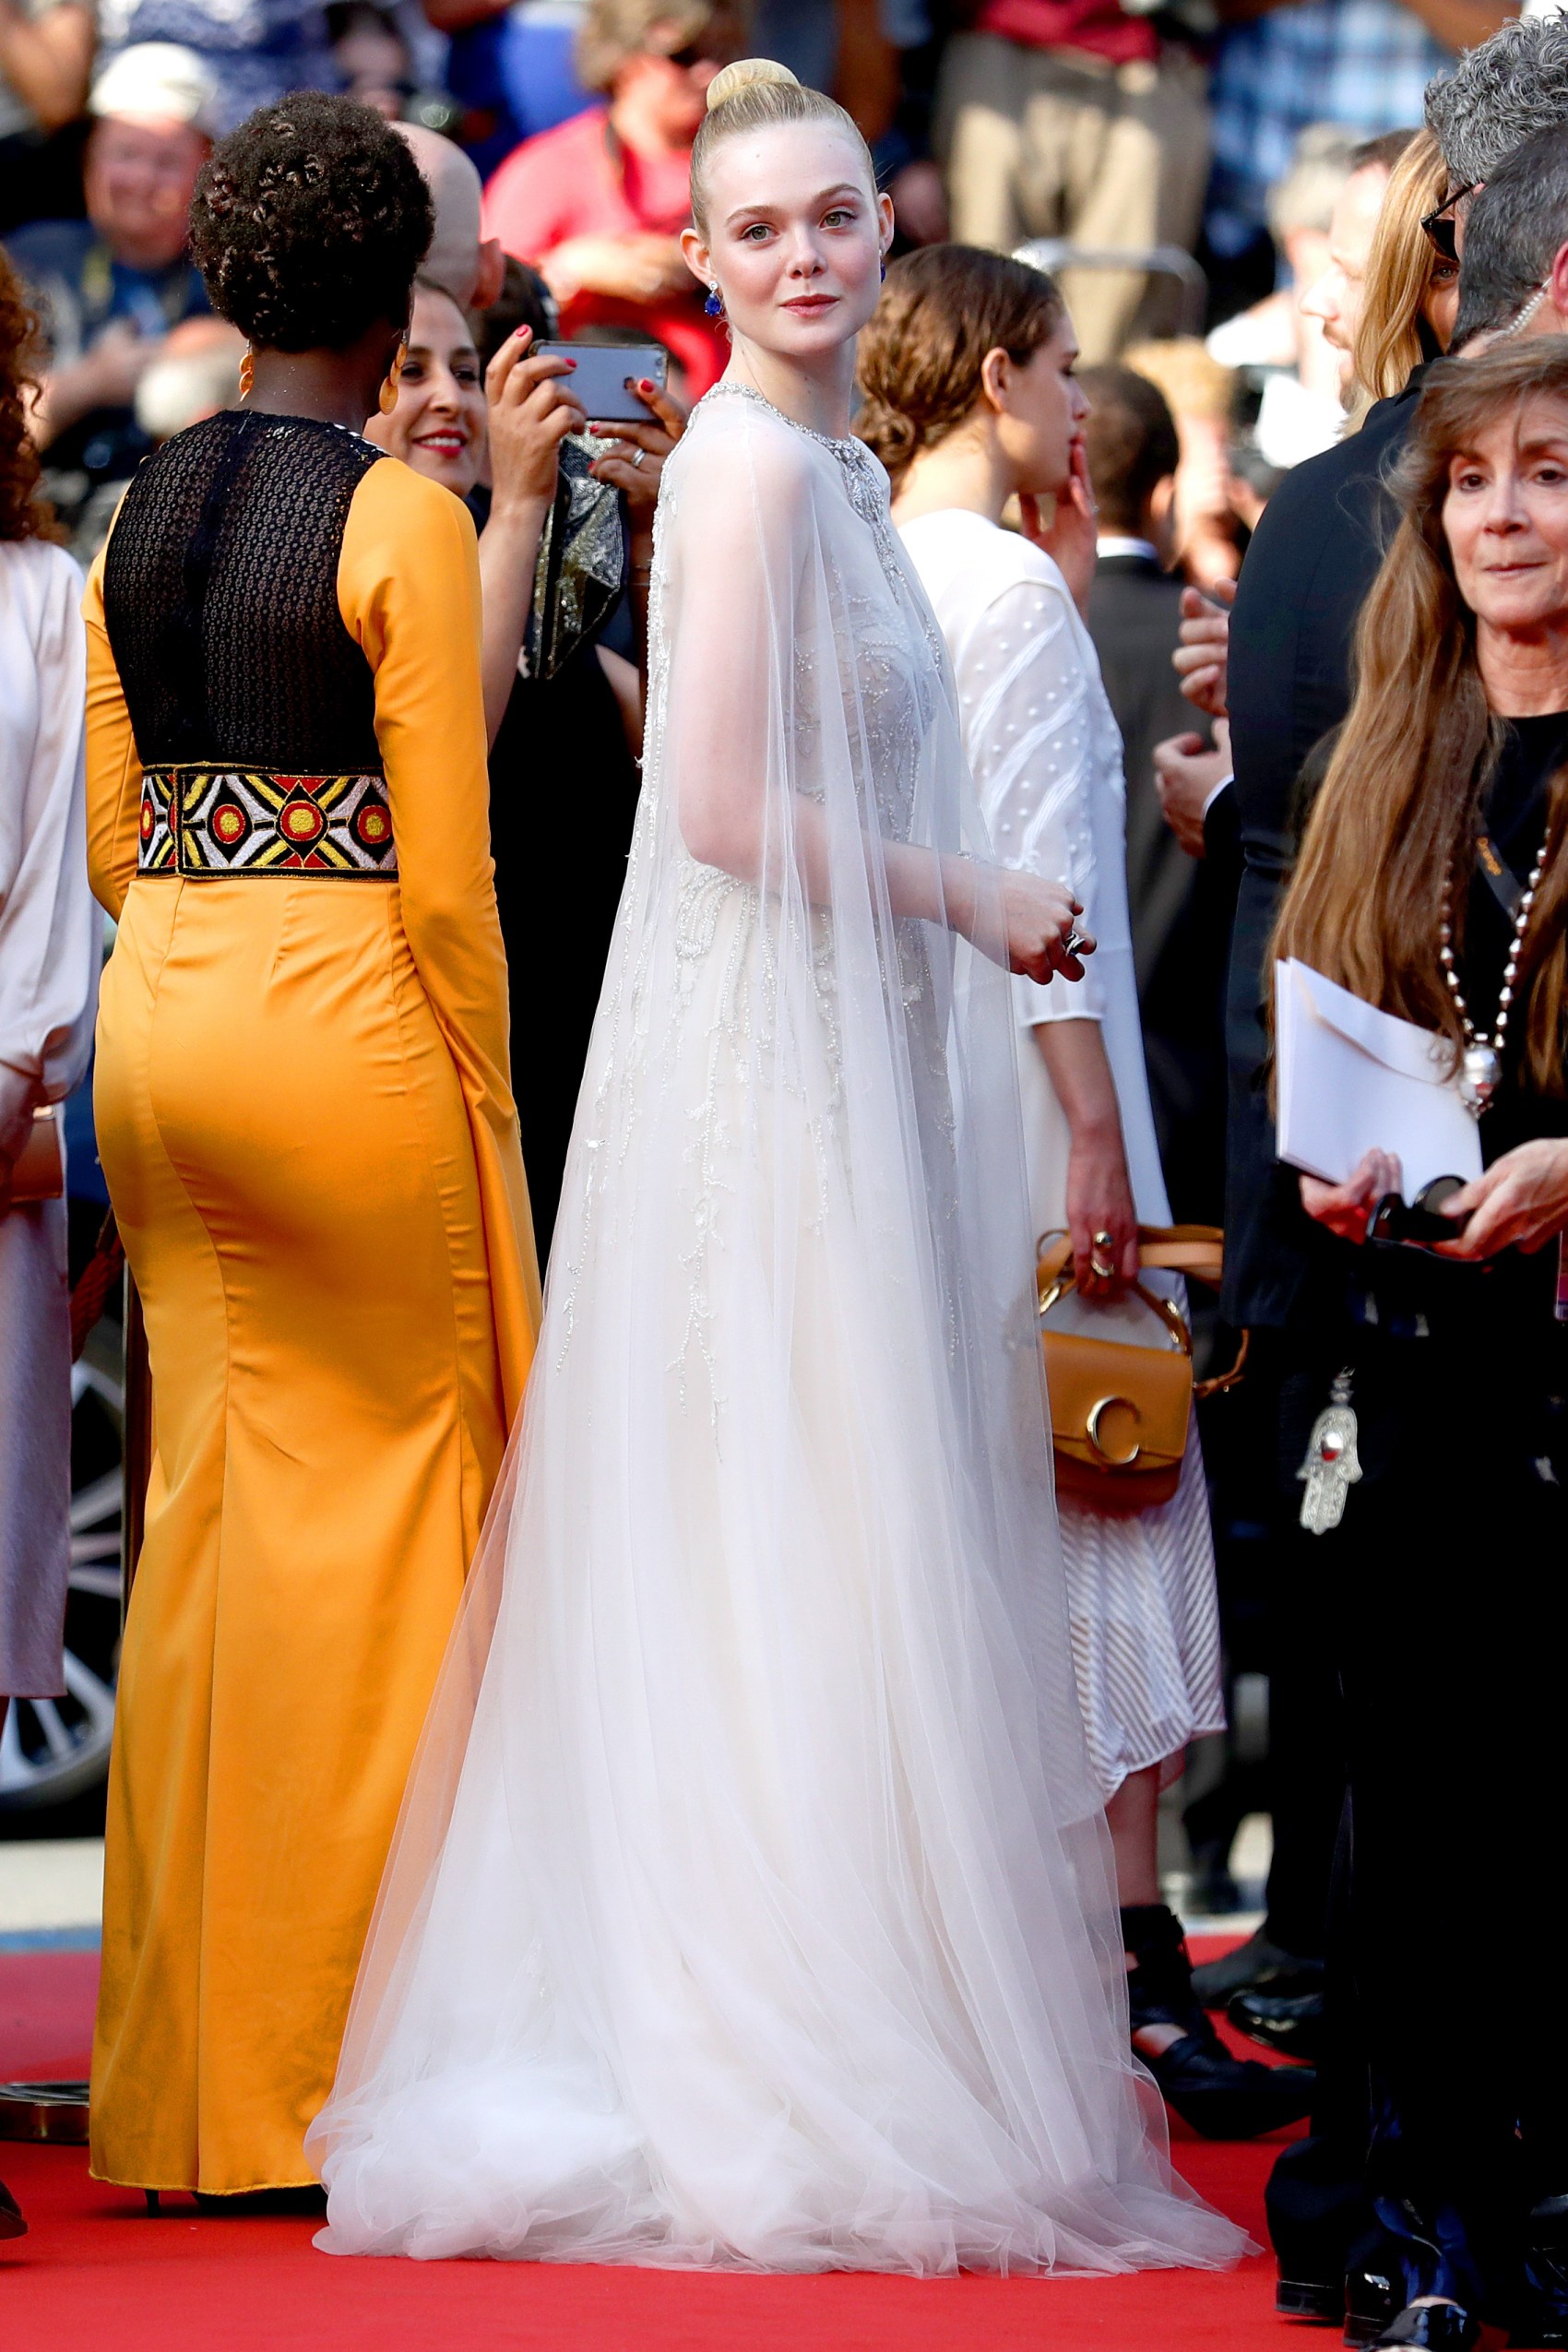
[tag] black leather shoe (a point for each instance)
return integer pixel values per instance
(1309, 2299)
(1540, 2325)
(11, 2221)
(1290, 2023)
(1255, 1966)
(1374, 2297)
(1441, 2327)
(1220, 2096)
(1225, 2097)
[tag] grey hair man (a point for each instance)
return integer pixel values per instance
(1499, 95)
(1513, 263)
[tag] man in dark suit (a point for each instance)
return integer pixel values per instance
(1181, 925)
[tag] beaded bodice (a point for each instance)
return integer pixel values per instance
(220, 597)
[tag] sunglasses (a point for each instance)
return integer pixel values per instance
(1417, 1224)
(1440, 227)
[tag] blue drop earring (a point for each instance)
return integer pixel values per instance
(882, 266)
(715, 302)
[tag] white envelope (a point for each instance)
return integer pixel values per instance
(1352, 1079)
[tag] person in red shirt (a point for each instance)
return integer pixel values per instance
(598, 204)
(1072, 118)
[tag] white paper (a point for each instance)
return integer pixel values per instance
(1352, 1079)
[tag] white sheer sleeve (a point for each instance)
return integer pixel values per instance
(48, 922)
(1028, 722)
(768, 757)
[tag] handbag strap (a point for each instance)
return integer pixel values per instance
(1194, 1250)
(1054, 1284)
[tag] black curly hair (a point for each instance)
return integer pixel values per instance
(308, 223)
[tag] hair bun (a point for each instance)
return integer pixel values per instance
(730, 80)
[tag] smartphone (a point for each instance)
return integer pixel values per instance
(599, 380)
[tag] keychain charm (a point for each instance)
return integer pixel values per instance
(1333, 1466)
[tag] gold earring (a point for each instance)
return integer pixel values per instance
(386, 399)
(247, 373)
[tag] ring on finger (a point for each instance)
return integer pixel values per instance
(636, 461)
(1100, 1264)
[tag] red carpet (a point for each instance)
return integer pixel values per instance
(96, 2269)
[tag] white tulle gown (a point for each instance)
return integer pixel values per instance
(750, 1906)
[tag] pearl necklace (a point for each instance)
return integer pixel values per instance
(1480, 1065)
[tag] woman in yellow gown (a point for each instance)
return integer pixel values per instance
(306, 1125)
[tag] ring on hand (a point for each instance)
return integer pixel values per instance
(636, 461)
(1101, 1266)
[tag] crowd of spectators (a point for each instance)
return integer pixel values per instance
(1185, 169)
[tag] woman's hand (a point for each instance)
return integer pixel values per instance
(19, 1094)
(1099, 1202)
(633, 456)
(532, 409)
(1519, 1203)
(1201, 658)
(1039, 919)
(1345, 1208)
(1075, 528)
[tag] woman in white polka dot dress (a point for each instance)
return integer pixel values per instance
(970, 400)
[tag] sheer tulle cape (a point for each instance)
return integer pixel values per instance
(750, 1905)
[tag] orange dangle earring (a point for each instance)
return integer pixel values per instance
(386, 399)
(247, 373)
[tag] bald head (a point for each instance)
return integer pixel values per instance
(458, 260)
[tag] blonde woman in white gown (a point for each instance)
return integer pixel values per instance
(970, 398)
(750, 1906)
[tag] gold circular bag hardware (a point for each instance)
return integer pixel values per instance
(1091, 1430)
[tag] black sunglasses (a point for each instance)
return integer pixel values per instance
(1441, 228)
(1417, 1224)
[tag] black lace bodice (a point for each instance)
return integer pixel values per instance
(220, 596)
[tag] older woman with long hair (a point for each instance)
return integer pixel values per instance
(1433, 883)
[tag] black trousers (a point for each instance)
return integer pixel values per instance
(1447, 1590)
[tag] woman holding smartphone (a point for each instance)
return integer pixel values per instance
(562, 764)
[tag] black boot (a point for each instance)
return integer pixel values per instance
(1220, 2096)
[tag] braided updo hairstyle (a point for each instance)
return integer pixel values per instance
(941, 310)
(309, 222)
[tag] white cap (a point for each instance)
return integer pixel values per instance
(155, 81)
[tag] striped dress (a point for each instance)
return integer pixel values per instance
(1046, 758)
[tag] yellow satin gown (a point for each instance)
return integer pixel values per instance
(305, 1121)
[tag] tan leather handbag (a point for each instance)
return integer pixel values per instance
(1120, 1413)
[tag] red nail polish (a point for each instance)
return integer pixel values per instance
(644, 385)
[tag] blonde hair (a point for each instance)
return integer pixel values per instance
(755, 94)
(1393, 337)
(1401, 799)
(614, 30)
(1194, 382)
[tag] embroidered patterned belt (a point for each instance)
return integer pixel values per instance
(212, 823)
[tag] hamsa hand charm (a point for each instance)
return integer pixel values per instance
(1332, 1465)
